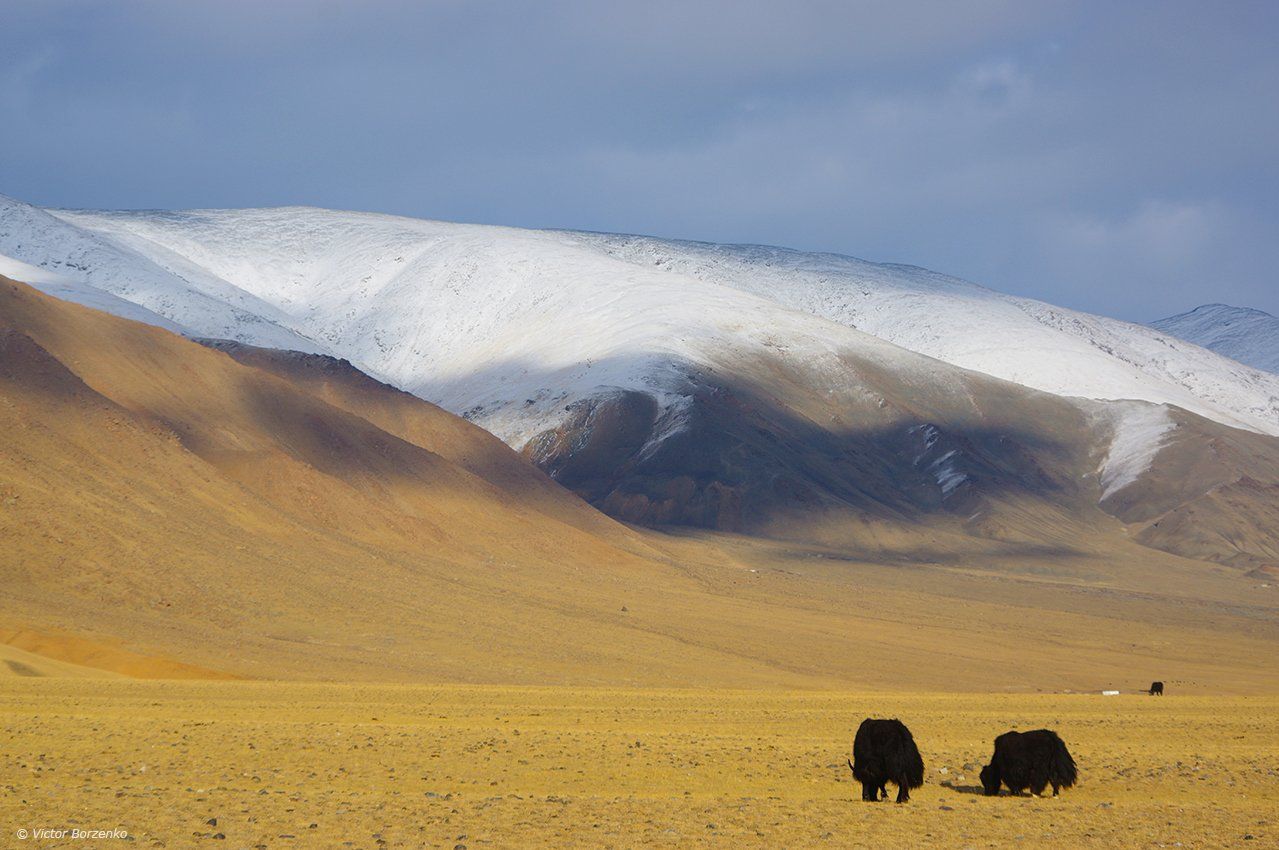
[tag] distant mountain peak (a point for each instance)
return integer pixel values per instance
(1245, 334)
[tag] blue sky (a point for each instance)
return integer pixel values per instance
(1121, 158)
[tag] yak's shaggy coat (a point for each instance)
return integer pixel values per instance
(1031, 760)
(883, 752)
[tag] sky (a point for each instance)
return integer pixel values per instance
(1120, 158)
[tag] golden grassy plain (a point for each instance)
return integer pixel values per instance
(372, 766)
(167, 513)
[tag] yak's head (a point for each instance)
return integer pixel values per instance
(990, 780)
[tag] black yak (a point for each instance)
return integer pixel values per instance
(1031, 760)
(1156, 689)
(883, 752)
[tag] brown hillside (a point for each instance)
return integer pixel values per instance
(165, 509)
(421, 423)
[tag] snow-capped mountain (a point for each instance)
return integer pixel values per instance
(1029, 342)
(79, 292)
(79, 265)
(1240, 333)
(428, 305)
(729, 386)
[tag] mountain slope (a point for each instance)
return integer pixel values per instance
(340, 384)
(150, 483)
(1210, 492)
(1240, 333)
(428, 306)
(175, 291)
(1018, 339)
(732, 388)
(166, 509)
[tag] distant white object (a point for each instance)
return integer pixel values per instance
(1110, 693)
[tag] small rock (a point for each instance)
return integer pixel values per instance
(217, 836)
(946, 808)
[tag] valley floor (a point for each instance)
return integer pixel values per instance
(178, 764)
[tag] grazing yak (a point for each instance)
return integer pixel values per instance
(1031, 760)
(1156, 689)
(883, 752)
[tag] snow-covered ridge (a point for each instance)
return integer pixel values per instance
(1240, 333)
(83, 263)
(510, 327)
(1029, 342)
(69, 289)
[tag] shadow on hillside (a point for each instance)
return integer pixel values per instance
(777, 442)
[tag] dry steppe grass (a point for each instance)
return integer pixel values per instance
(333, 765)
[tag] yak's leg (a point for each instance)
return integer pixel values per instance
(1056, 789)
(870, 793)
(883, 790)
(903, 794)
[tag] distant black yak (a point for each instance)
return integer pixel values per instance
(1031, 760)
(1156, 689)
(883, 752)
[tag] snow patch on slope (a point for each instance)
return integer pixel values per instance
(1140, 431)
(944, 471)
(944, 468)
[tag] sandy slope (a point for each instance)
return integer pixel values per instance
(288, 765)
